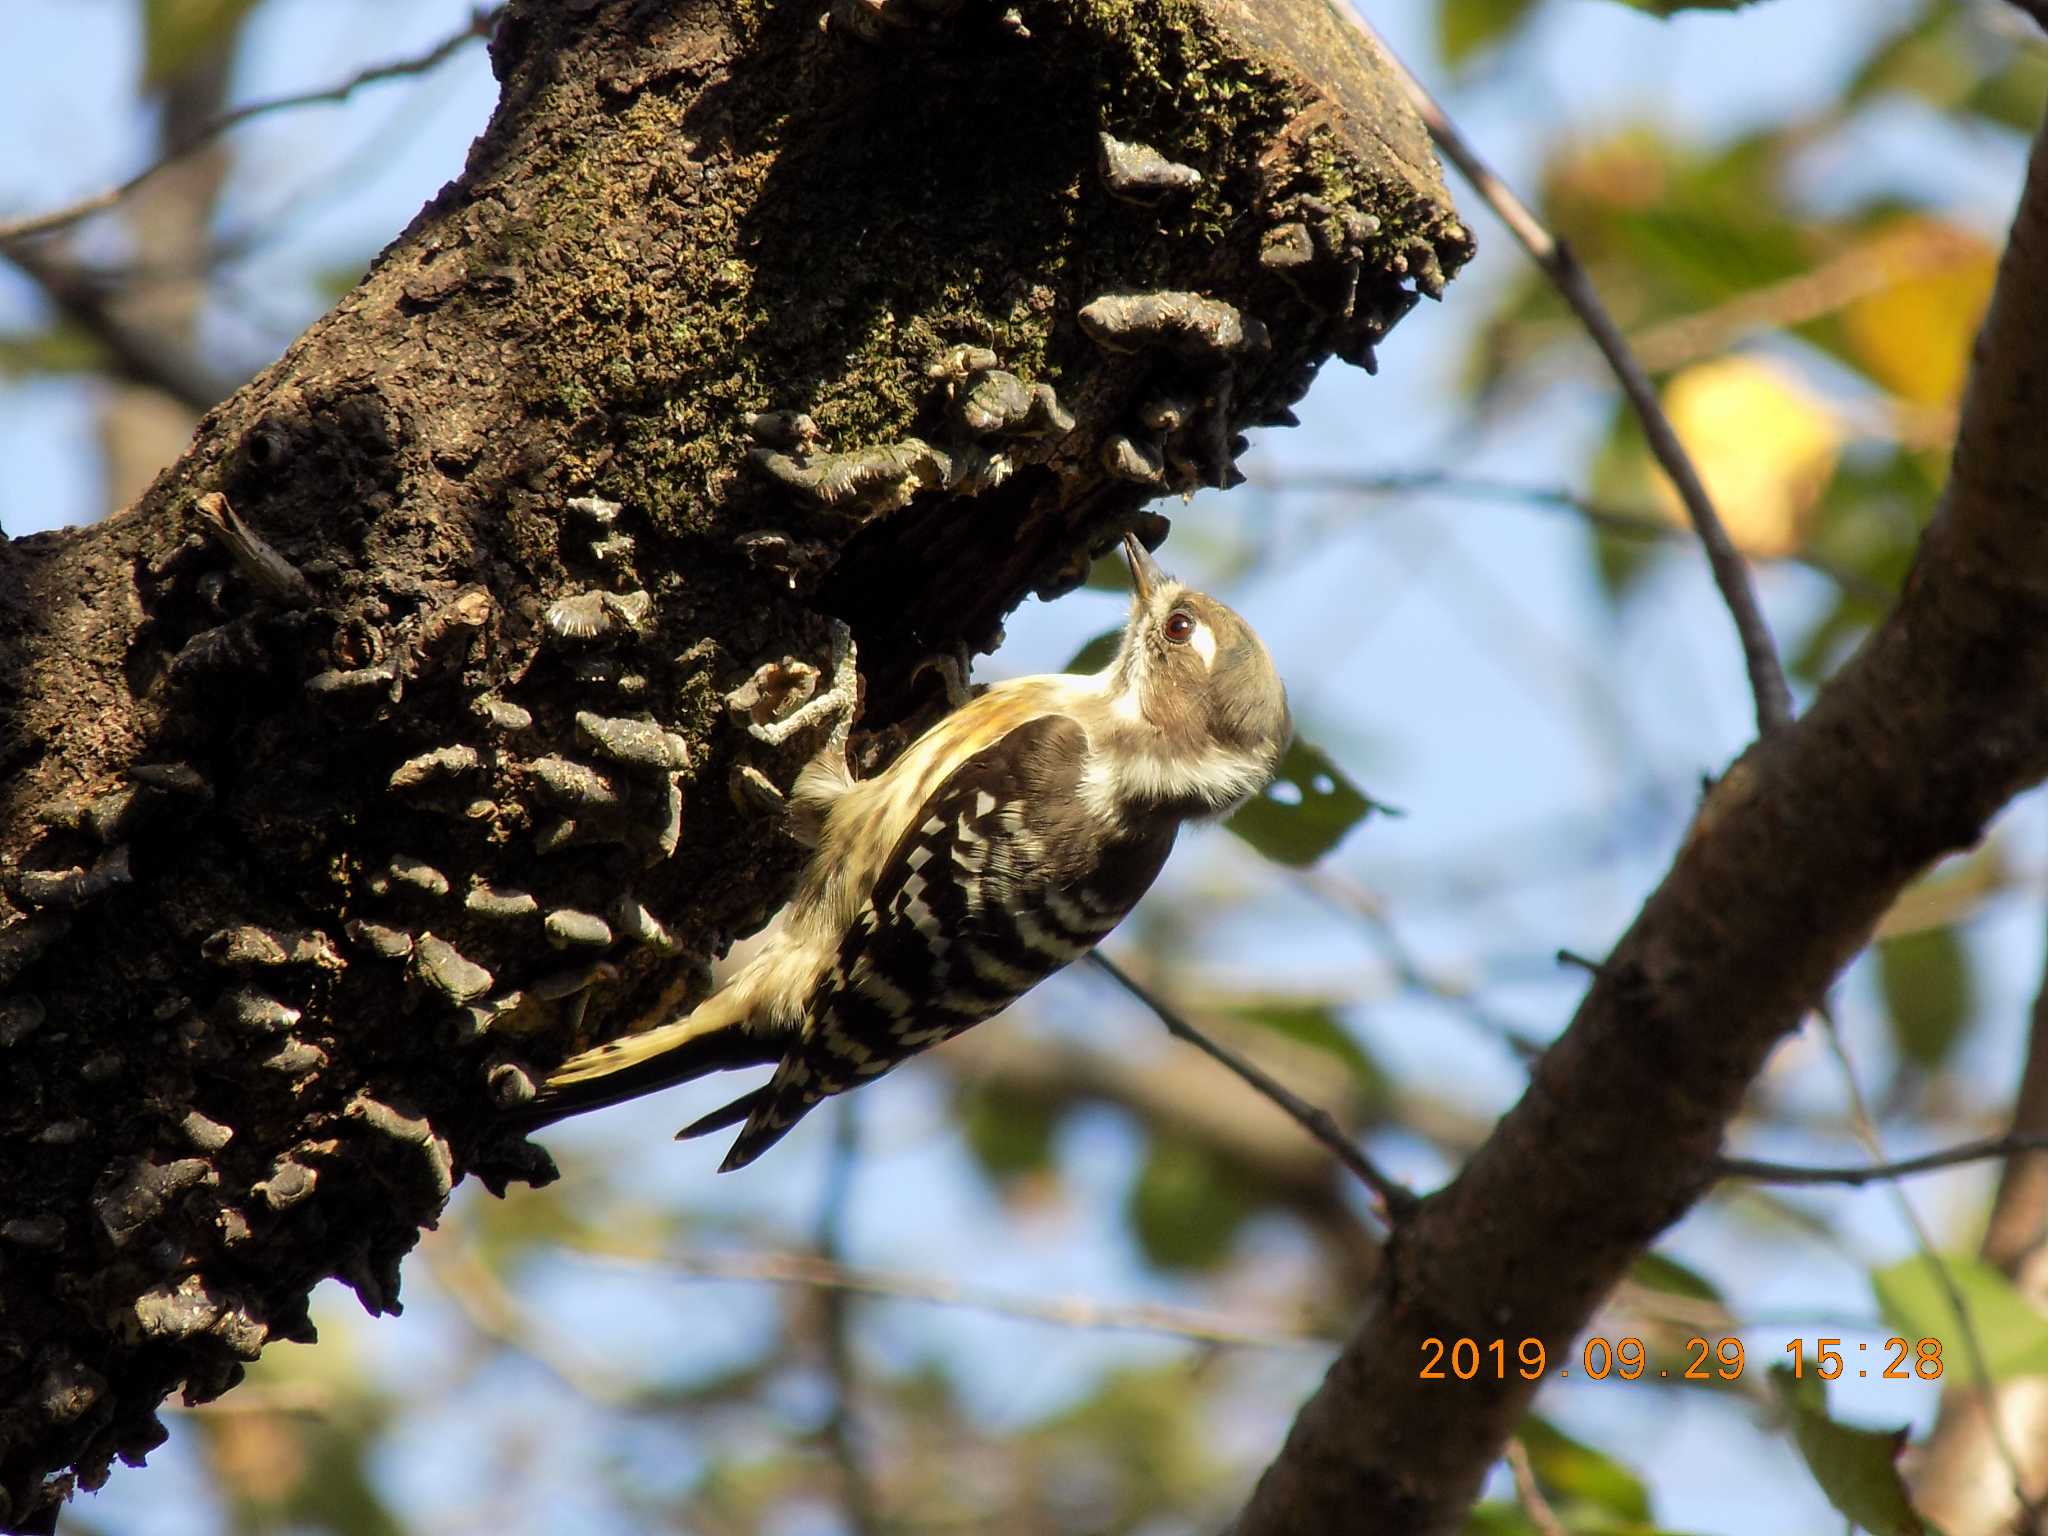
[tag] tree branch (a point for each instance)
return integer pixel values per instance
(1793, 857)
(805, 1269)
(1619, 521)
(1396, 1198)
(1857, 1174)
(481, 21)
(1529, 1495)
(842, 1431)
(145, 355)
(1766, 676)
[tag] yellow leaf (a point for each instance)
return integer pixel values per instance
(1763, 445)
(1913, 335)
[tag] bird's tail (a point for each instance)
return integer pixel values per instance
(711, 1038)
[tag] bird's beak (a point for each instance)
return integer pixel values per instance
(1146, 577)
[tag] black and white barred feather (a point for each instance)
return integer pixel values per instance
(1004, 844)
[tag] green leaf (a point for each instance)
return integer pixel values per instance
(2014, 96)
(1010, 1135)
(1950, 60)
(1858, 1469)
(1305, 811)
(178, 33)
(1499, 1517)
(1187, 1206)
(60, 347)
(1928, 992)
(2011, 1333)
(1109, 572)
(1581, 1479)
(1096, 654)
(1621, 476)
(1657, 1272)
(1467, 27)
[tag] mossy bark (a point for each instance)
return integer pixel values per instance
(426, 720)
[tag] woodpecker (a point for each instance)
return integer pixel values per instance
(1002, 845)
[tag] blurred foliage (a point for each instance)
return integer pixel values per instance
(1587, 1488)
(1188, 1204)
(1926, 982)
(176, 33)
(1858, 1469)
(1921, 1301)
(292, 1448)
(1465, 28)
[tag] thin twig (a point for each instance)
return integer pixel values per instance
(842, 1428)
(1528, 1495)
(1766, 676)
(1894, 256)
(1597, 969)
(310, 1399)
(147, 356)
(1396, 1198)
(493, 1313)
(1067, 1312)
(1966, 1325)
(1618, 521)
(1408, 967)
(481, 21)
(1983, 1150)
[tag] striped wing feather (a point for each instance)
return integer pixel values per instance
(1004, 879)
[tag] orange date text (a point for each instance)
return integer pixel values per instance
(1701, 1359)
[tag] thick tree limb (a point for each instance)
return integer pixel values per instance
(1793, 857)
(297, 896)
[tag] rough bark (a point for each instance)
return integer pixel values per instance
(472, 755)
(1794, 855)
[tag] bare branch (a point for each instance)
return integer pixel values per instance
(1856, 1174)
(1619, 521)
(144, 355)
(1396, 1198)
(493, 1313)
(842, 1430)
(1766, 676)
(1067, 1312)
(1408, 968)
(1868, 267)
(1528, 1495)
(481, 21)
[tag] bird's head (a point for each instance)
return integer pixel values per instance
(1196, 673)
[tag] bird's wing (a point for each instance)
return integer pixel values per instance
(1000, 882)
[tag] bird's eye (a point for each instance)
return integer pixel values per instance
(1180, 624)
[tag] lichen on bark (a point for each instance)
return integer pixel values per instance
(742, 347)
